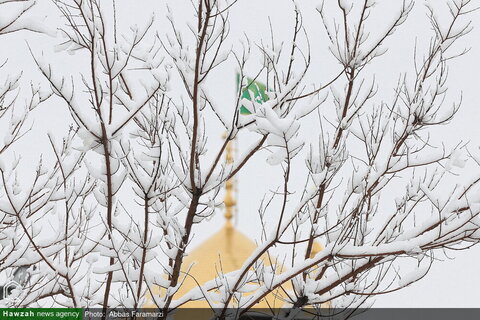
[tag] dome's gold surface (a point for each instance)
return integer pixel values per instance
(224, 252)
(316, 248)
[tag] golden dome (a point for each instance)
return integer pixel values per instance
(224, 252)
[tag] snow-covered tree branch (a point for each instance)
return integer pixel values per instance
(114, 204)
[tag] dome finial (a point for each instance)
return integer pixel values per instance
(229, 199)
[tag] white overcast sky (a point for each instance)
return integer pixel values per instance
(450, 283)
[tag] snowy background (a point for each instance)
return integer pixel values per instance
(452, 282)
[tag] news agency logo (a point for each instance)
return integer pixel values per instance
(17, 281)
(8, 288)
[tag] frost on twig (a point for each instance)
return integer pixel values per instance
(140, 171)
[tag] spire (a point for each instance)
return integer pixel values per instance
(229, 199)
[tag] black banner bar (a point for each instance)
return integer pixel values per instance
(291, 314)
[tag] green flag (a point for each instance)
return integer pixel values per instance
(256, 88)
